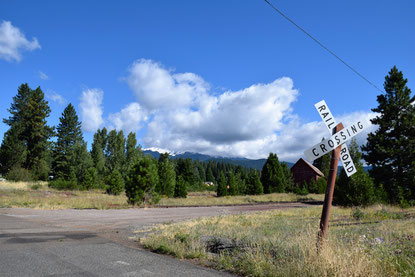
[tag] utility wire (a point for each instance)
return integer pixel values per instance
(323, 46)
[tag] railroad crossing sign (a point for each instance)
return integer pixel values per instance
(335, 140)
(336, 145)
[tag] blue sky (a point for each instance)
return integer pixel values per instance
(230, 78)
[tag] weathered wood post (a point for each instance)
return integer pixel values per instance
(328, 198)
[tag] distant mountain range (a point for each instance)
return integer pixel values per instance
(257, 164)
(249, 163)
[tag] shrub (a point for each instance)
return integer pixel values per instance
(19, 174)
(61, 184)
(115, 183)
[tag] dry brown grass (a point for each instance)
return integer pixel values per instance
(283, 243)
(38, 195)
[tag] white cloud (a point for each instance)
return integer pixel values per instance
(43, 76)
(55, 97)
(128, 119)
(13, 42)
(181, 114)
(157, 88)
(91, 109)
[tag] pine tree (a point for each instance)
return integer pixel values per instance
(272, 175)
(167, 176)
(209, 175)
(97, 152)
(254, 185)
(114, 151)
(141, 181)
(289, 178)
(132, 152)
(180, 190)
(222, 189)
(68, 135)
(36, 134)
(358, 189)
(115, 183)
(233, 187)
(390, 150)
(12, 151)
(19, 106)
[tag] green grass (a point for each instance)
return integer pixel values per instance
(40, 196)
(283, 243)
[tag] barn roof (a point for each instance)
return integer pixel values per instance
(315, 169)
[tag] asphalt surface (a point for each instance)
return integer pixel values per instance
(97, 242)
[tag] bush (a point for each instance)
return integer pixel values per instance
(115, 183)
(61, 184)
(301, 190)
(19, 174)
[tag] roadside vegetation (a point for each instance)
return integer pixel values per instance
(40, 196)
(375, 241)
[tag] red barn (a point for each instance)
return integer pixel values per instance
(303, 171)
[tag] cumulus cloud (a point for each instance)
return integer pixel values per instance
(91, 109)
(157, 88)
(43, 76)
(55, 97)
(181, 113)
(128, 119)
(13, 42)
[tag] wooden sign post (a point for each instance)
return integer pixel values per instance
(336, 145)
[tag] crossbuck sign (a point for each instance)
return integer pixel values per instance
(335, 140)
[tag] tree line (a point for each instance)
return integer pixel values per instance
(32, 150)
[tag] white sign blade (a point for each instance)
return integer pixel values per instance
(347, 161)
(328, 118)
(334, 141)
(326, 115)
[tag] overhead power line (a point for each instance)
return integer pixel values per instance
(323, 46)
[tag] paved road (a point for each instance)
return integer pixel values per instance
(96, 242)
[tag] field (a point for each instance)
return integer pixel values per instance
(40, 196)
(376, 241)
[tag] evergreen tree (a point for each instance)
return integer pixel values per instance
(36, 134)
(81, 161)
(12, 151)
(132, 152)
(180, 190)
(209, 175)
(222, 189)
(115, 183)
(272, 175)
(91, 178)
(185, 169)
(18, 108)
(390, 150)
(233, 187)
(254, 185)
(358, 189)
(97, 152)
(167, 176)
(289, 178)
(114, 151)
(141, 181)
(68, 135)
